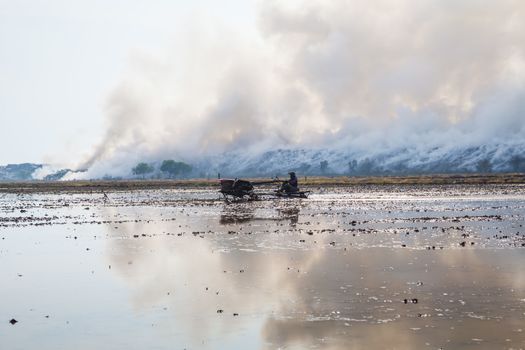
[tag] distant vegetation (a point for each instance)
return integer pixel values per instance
(173, 168)
(280, 162)
(22, 171)
(142, 169)
(484, 166)
(57, 175)
(323, 167)
(168, 169)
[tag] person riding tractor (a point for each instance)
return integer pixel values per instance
(291, 185)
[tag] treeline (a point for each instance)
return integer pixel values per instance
(168, 168)
(350, 167)
(376, 167)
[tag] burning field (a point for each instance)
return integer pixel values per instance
(362, 266)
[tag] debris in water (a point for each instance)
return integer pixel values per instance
(412, 301)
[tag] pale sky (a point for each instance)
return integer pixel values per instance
(59, 60)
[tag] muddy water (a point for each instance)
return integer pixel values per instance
(399, 267)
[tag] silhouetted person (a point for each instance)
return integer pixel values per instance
(292, 185)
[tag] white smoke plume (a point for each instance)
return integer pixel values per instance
(400, 83)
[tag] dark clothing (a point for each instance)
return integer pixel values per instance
(290, 186)
(286, 187)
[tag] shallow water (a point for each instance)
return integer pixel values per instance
(363, 267)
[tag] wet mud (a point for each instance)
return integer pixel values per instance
(360, 267)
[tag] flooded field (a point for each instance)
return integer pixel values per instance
(357, 267)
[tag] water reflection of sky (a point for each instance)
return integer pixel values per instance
(334, 297)
(155, 276)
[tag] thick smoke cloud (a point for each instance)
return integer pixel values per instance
(404, 86)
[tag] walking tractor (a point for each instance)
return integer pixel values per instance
(243, 189)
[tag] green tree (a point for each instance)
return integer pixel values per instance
(173, 168)
(142, 169)
(184, 169)
(169, 167)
